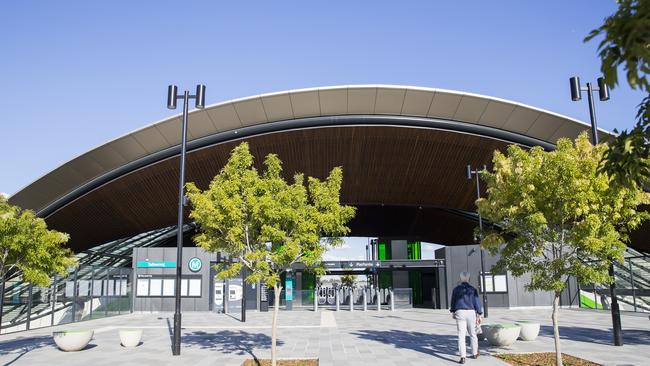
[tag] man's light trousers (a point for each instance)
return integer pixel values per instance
(466, 324)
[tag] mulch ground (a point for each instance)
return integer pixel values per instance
(310, 362)
(542, 359)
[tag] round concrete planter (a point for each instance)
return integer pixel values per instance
(501, 335)
(130, 337)
(72, 340)
(529, 330)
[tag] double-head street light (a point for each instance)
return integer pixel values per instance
(199, 102)
(576, 95)
(476, 173)
(603, 94)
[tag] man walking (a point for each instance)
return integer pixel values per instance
(466, 309)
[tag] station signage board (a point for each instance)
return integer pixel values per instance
(156, 264)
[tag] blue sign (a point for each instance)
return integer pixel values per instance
(195, 264)
(156, 264)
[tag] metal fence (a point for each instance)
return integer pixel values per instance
(88, 292)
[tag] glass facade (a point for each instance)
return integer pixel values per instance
(101, 286)
(632, 286)
(88, 292)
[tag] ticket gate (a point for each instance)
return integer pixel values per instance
(326, 296)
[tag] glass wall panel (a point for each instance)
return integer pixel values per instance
(14, 309)
(84, 300)
(40, 307)
(63, 305)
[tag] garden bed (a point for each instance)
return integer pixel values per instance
(542, 359)
(296, 362)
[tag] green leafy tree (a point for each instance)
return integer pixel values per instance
(626, 44)
(558, 215)
(348, 280)
(266, 224)
(27, 246)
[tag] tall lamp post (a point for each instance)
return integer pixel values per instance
(603, 94)
(199, 99)
(476, 173)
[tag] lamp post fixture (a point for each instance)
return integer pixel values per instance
(576, 95)
(476, 173)
(603, 94)
(172, 97)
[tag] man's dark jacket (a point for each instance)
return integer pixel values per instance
(465, 297)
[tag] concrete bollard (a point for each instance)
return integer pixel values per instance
(336, 299)
(392, 300)
(315, 299)
(365, 302)
(351, 299)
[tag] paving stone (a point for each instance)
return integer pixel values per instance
(411, 337)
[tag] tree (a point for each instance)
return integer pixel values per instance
(348, 280)
(266, 224)
(626, 44)
(558, 215)
(26, 245)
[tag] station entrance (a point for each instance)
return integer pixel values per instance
(407, 283)
(393, 275)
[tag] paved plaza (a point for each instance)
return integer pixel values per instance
(413, 337)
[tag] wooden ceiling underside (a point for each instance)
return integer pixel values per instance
(383, 165)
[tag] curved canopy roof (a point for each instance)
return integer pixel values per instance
(403, 150)
(232, 115)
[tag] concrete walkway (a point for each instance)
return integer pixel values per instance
(414, 337)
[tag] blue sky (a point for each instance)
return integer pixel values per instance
(76, 74)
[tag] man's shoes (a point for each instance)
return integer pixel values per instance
(475, 356)
(462, 360)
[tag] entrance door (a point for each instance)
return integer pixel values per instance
(429, 289)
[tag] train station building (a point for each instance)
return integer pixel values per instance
(404, 152)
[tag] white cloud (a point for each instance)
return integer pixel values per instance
(4, 195)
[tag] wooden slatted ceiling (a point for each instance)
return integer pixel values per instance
(381, 164)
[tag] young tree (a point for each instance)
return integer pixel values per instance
(556, 211)
(266, 224)
(625, 44)
(348, 280)
(26, 245)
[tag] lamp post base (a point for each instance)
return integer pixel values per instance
(176, 347)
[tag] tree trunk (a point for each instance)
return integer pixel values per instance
(276, 307)
(2, 299)
(556, 330)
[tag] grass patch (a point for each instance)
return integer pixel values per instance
(542, 359)
(265, 362)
